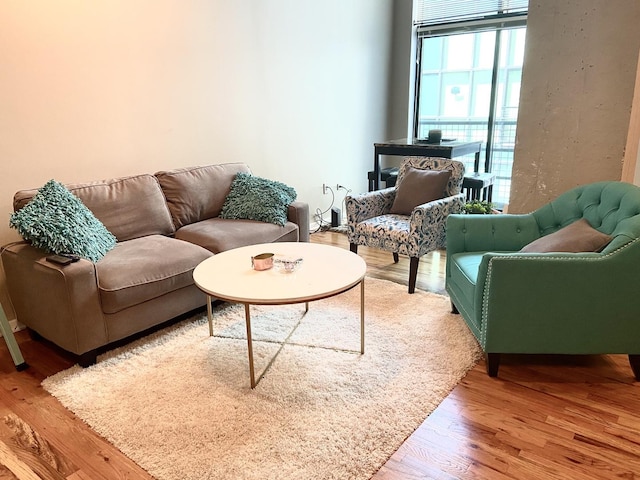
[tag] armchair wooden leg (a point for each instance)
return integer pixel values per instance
(353, 247)
(493, 363)
(634, 361)
(396, 258)
(413, 273)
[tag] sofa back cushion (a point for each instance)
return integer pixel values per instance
(198, 193)
(129, 207)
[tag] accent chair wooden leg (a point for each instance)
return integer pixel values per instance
(353, 247)
(634, 361)
(413, 273)
(454, 309)
(396, 257)
(493, 363)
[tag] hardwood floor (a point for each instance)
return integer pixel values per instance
(544, 417)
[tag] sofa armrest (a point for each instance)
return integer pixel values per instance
(61, 303)
(298, 213)
(483, 233)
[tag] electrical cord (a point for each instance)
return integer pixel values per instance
(344, 199)
(319, 215)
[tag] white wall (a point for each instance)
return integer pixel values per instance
(93, 90)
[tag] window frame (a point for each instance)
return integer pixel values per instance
(497, 23)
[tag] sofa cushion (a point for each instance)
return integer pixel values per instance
(256, 198)
(419, 186)
(55, 220)
(145, 268)
(576, 237)
(197, 193)
(219, 234)
(129, 207)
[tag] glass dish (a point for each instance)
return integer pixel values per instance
(284, 264)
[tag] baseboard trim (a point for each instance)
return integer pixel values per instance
(15, 326)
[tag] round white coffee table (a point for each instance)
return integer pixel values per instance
(325, 271)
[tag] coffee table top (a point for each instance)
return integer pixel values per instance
(325, 271)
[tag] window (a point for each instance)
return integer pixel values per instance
(469, 65)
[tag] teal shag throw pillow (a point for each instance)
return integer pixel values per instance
(256, 198)
(57, 221)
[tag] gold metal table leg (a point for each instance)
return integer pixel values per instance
(362, 316)
(210, 315)
(247, 316)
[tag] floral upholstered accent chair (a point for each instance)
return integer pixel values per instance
(388, 219)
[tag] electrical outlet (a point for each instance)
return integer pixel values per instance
(324, 188)
(338, 187)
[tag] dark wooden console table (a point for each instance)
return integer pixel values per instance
(475, 182)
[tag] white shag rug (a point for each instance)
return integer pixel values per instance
(179, 404)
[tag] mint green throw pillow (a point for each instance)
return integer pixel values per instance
(57, 221)
(256, 198)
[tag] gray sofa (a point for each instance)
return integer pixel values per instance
(165, 225)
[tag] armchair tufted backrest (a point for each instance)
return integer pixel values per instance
(609, 207)
(454, 186)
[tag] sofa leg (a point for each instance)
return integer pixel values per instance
(88, 358)
(493, 362)
(353, 247)
(413, 273)
(634, 361)
(396, 257)
(454, 309)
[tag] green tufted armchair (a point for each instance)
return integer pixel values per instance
(554, 303)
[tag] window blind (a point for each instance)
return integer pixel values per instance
(435, 12)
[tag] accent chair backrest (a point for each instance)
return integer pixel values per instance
(609, 207)
(454, 186)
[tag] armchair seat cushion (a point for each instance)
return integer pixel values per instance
(390, 222)
(465, 267)
(386, 232)
(464, 272)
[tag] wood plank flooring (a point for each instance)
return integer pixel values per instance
(544, 417)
